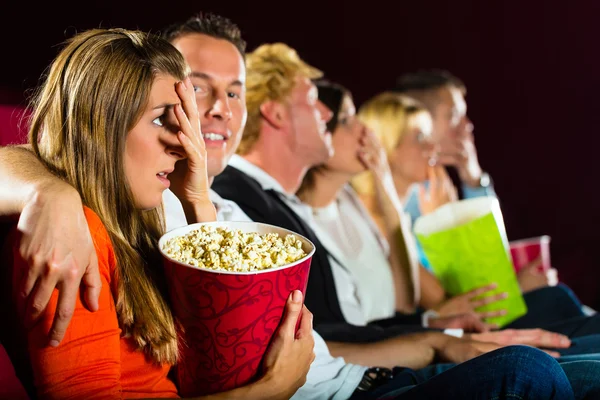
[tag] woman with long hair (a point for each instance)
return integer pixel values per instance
(116, 119)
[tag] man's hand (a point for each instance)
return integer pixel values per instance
(469, 322)
(531, 278)
(58, 247)
(458, 350)
(468, 302)
(441, 190)
(531, 337)
(460, 152)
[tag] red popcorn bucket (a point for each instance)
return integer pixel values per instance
(228, 318)
(528, 250)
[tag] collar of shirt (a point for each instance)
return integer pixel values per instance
(217, 200)
(267, 182)
(264, 179)
(227, 210)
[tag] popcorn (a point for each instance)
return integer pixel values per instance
(225, 249)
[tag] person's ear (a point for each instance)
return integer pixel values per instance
(274, 113)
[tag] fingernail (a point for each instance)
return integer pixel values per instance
(565, 341)
(183, 84)
(54, 343)
(296, 296)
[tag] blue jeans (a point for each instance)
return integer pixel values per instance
(584, 345)
(514, 372)
(548, 306)
(582, 371)
(583, 376)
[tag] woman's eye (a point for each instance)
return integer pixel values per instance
(158, 121)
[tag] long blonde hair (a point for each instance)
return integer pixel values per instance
(388, 115)
(271, 71)
(95, 92)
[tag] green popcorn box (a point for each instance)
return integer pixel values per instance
(466, 244)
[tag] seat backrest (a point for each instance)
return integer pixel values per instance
(10, 386)
(13, 124)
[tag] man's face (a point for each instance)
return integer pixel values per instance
(308, 119)
(449, 115)
(219, 77)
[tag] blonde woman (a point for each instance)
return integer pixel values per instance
(404, 126)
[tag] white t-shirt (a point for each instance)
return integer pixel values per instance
(174, 215)
(348, 232)
(329, 377)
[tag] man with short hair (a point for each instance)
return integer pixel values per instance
(443, 94)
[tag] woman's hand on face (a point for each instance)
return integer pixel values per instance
(290, 354)
(441, 190)
(190, 181)
(373, 157)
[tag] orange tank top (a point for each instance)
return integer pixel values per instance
(93, 361)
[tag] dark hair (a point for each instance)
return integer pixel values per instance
(428, 80)
(207, 24)
(332, 95)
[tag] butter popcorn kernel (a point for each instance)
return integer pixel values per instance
(232, 250)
